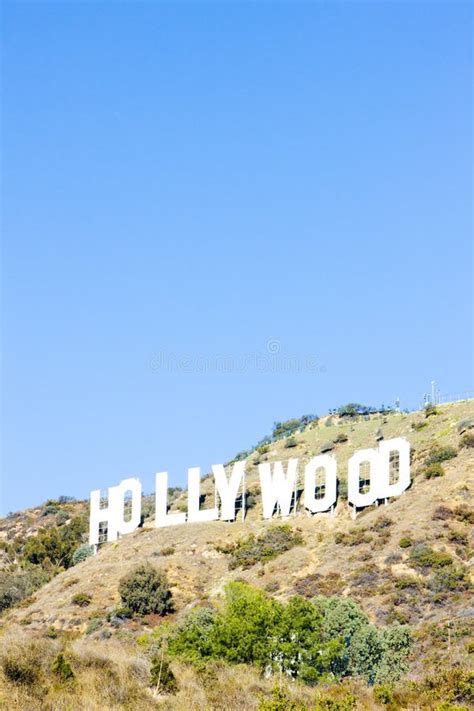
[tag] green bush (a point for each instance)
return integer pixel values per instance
(62, 668)
(280, 701)
(93, 625)
(458, 537)
(54, 544)
(342, 617)
(405, 542)
(355, 537)
(161, 676)
(433, 471)
(193, 638)
(82, 553)
(289, 426)
(81, 599)
(168, 550)
(383, 694)
(430, 410)
(327, 447)
(422, 556)
(244, 631)
(252, 628)
(282, 428)
(300, 650)
(62, 517)
(345, 701)
(340, 438)
(404, 583)
(366, 653)
(420, 425)
(396, 644)
(145, 590)
(449, 579)
(441, 454)
(252, 550)
(290, 442)
(49, 509)
(352, 409)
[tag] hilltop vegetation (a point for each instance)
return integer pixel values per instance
(320, 612)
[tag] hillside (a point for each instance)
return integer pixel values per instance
(375, 560)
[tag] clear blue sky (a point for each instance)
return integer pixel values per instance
(224, 179)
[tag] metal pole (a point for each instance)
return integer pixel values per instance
(296, 488)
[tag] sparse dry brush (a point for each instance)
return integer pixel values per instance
(260, 549)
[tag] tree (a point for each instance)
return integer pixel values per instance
(366, 651)
(397, 643)
(245, 630)
(194, 637)
(54, 544)
(343, 620)
(342, 617)
(352, 409)
(299, 645)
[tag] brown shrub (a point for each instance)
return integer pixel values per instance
(317, 584)
(355, 537)
(467, 440)
(442, 513)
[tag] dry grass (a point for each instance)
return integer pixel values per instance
(109, 675)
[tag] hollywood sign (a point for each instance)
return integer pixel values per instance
(388, 475)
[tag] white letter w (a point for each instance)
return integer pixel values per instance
(277, 487)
